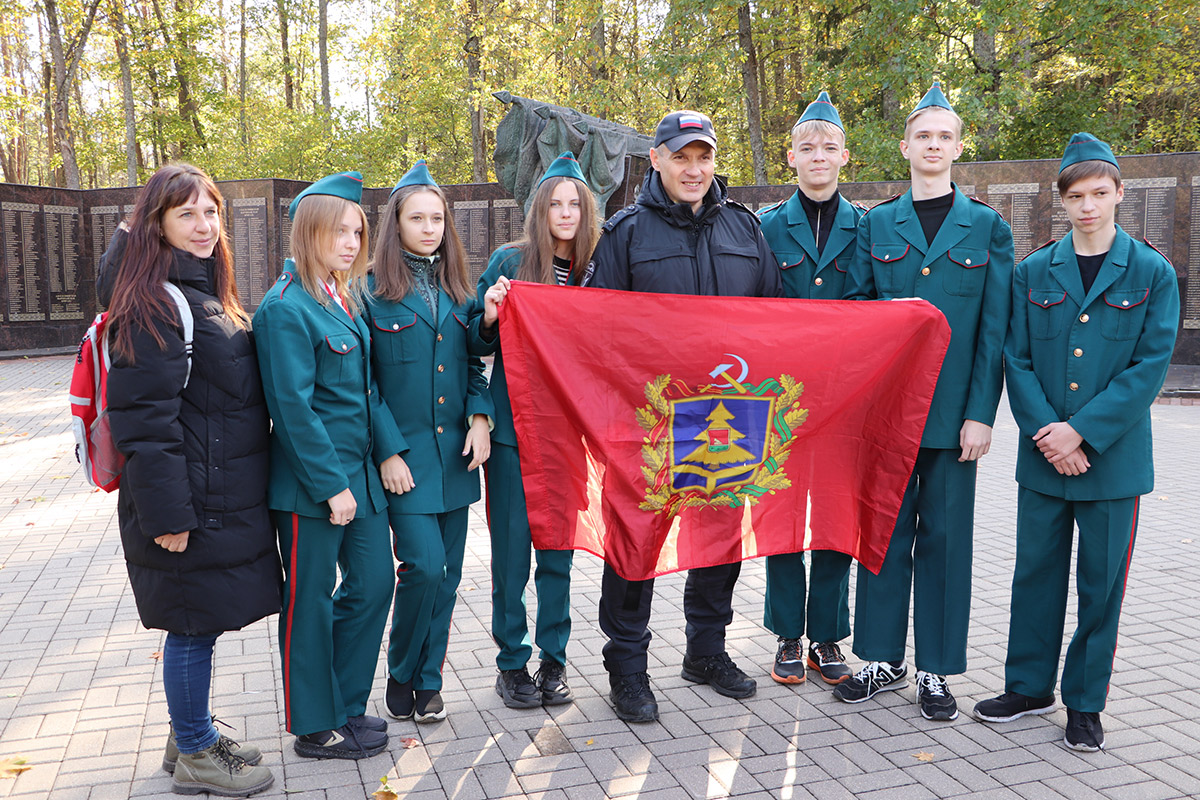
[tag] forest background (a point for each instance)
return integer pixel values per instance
(101, 92)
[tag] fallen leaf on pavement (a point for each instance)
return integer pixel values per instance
(385, 792)
(409, 743)
(156, 655)
(12, 767)
(923, 757)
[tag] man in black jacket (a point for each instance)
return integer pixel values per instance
(683, 236)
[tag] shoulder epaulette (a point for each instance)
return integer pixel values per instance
(860, 206)
(771, 207)
(734, 204)
(1155, 249)
(616, 218)
(984, 203)
(884, 202)
(1041, 247)
(285, 280)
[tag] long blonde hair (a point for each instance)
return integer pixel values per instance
(537, 245)
(314, 231)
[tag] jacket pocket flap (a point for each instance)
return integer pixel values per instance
(747, 249)
(789, 261)
(889, 252)
(393, 323)
(969, 257)
(1047, 297)
(459, 319)
(341, 343)
(1126, 298)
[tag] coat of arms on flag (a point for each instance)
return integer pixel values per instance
(714, 445)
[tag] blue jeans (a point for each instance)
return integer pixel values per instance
(187, 678)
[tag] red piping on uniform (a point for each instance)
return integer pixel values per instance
(291, 615)
(1125, 580)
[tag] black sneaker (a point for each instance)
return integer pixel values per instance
(429, 706)
(827, 659)
(875, 677)
(517, 689)
(1012, 705)
(345, 742)
(632, 697)
(719, 672)
(1084, 731)
(789, 662)
(933, 695)
(399, 698)
(368, 722)
(552, 683)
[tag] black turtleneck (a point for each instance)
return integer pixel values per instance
(932, 213)
(820, 216)
(1089, 268)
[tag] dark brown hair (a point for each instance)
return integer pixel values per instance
(393, 278)
(537, 245)
(1085, 170)
(139, 299)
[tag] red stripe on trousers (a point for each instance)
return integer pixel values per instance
(291, 615)
(1125, 580)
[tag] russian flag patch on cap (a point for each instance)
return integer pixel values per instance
(690, 122)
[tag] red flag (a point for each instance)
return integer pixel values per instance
(665, 432)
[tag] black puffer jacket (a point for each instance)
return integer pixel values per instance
(197, 462)
(659, 246)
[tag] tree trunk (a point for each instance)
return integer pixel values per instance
(984, 45)
(287, 58)
(188, 108)
(323, 49)
(750, 88)
(242, 84)
(66, 64)
(473, 47)
(122, 46)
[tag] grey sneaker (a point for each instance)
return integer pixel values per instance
(934, 697)
(247, 752)
(875, 677)
(217, 771)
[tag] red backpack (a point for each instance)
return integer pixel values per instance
(94, 446)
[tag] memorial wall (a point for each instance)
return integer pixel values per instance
(52, 239)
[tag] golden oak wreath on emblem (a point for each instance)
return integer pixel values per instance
(717, 444)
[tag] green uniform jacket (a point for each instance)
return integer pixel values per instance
(504, 261)
(967, 274)
(807, 273)
(1096, 360)
(327, 418)
(433, 389)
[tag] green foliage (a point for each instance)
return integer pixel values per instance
(407, 76)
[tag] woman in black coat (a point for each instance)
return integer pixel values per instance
(194, 524)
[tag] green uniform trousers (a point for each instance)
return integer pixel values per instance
(826, 597)
(511, 545)
(930, 556)
(329, 635)
(1045, 527)
(430, 550)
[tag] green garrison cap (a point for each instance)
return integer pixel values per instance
(417, 176)
(1085, 147)
(565, 166)
(346, 185)
(823, 109)
(934, 98)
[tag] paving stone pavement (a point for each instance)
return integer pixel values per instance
(81, 692)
